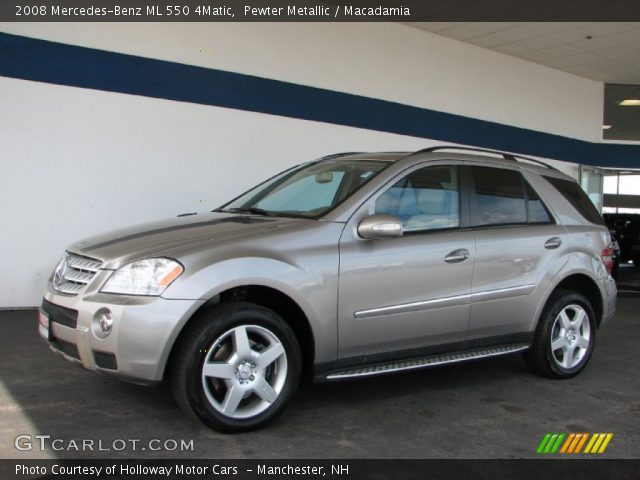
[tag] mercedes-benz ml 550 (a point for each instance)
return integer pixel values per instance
(348, 266)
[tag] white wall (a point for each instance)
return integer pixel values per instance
(74, 162)
(382, 60)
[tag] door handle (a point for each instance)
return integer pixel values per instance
(553, 242)
(457, 256)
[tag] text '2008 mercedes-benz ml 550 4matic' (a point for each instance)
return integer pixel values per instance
(352, 265)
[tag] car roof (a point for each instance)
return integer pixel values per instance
(494, 158)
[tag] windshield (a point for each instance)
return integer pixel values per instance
(307, 191)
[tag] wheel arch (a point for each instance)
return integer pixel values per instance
(579, 282)
(268, 297)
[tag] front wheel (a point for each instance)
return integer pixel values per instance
(236, 366)
(565, 337)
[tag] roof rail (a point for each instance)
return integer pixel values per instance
(336, 155)
(505, 155)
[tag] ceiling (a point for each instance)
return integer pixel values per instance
(624, 121)
(604, 51)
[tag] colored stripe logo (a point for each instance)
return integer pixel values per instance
(573, 443)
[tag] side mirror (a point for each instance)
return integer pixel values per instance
(380, 226)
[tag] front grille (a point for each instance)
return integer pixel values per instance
(74, 272)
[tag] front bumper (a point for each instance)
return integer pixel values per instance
(138, 346)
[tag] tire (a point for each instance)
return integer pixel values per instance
(568, 320)
(235, 367)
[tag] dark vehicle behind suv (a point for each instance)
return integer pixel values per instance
(625, 227)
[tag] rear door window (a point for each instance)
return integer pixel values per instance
(503, 197)
(498, 198)
(537, 211)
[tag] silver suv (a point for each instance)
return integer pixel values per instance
(352, 265)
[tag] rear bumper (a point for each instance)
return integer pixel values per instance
(610, 293)
(144, 330)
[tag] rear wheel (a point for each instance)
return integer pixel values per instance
(236, 367)
(565, 337)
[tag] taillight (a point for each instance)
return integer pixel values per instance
(607, 258)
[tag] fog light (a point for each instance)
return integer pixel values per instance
(102, 323)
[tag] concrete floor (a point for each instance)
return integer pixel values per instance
(490, 409)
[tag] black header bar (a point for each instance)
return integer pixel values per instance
(345, 469)
(319, 11)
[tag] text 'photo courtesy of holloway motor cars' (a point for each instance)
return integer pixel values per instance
(351, 265)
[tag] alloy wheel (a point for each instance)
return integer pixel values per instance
(244, 371)
(570, 336)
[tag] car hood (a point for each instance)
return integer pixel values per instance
(167, 237)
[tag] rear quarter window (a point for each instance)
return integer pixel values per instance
(577, 198)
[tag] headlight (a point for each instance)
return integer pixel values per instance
(144, 277)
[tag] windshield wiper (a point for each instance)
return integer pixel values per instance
(254, 210)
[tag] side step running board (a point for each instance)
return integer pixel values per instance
(431, 361)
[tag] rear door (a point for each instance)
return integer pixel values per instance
(519, 249)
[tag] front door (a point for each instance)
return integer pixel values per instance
(410, 292)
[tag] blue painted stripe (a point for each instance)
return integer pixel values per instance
(62, 64)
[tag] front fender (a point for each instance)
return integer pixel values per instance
(314, 290)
